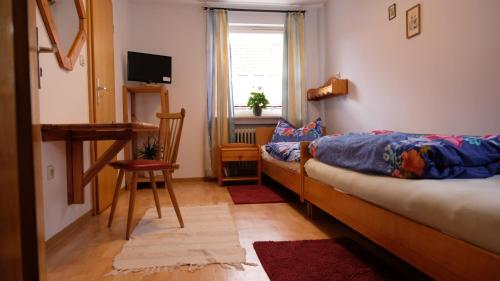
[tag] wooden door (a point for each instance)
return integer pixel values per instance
(103, 91)
(22, 247)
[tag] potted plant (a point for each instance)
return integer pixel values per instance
(257, 102)
(148, 149)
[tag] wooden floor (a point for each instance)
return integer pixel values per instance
(88, 255)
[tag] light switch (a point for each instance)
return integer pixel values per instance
(81, 58)
(51, 172)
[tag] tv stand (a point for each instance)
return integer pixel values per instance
(133, 90)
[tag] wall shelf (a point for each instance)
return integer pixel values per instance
(332, 87)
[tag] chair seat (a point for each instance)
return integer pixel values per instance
(143, 165)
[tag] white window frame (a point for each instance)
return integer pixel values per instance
(257, 28)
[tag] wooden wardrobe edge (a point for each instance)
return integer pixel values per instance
(437, 254)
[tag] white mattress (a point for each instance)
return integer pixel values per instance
(468, 209)
(292, 166)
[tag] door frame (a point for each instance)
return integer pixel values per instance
(21, 209)
(91, 85)
(92, 98)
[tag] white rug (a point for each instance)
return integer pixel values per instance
(209, 236)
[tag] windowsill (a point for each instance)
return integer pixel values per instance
(256, 120)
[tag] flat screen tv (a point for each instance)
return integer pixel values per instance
(149, 68)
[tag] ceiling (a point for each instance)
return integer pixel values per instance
(245, 3)
(267, 2)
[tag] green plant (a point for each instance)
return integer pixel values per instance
(148, 149)
(257, 99)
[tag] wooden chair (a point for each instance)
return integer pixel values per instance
(169, 139)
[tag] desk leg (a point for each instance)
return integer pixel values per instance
(103, 160)
(74, 170)
(76, 178)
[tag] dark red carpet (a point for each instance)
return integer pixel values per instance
(320, 260)
(254, 194)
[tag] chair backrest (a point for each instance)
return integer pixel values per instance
(170, 135)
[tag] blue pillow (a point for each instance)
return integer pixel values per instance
(285, 151)
(286, 132)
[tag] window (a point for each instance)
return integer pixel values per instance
(257, 64)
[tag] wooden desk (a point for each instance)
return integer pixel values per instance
(75, 134)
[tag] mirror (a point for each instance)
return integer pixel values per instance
(65, 24)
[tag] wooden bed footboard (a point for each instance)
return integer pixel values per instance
(290, 179)
(285, 177)
(439, 255)
(263, 135)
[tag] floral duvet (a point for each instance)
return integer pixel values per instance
(411, 155)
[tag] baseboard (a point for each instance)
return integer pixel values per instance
(192, 179)
(67, 231)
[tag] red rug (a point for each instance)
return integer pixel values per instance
(254, 194)
(320, 260)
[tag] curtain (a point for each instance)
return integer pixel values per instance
(220, 105)
(294, 95)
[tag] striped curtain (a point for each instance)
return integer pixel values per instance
(220, 105)
(294, 94)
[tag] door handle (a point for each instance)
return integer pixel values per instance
(99, 88)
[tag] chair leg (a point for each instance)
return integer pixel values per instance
(168, 183)
(115, 197)
(133, 191)
(155, 192)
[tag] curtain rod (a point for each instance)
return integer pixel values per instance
(256, 10)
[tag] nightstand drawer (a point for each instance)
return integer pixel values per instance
(240, 155)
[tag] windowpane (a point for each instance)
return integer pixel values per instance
(257, 62)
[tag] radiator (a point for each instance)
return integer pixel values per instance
(235, 169)
(244, 135)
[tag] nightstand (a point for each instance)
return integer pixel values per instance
(237, 152)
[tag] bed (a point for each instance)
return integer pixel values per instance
(283, 142)
(445, 242)
(287, 174)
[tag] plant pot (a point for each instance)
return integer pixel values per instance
(257, 111)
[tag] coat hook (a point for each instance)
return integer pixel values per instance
(46, 50)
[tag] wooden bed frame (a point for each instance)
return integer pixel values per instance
(437, 254)
(289, 179)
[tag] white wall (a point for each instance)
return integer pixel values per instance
(121, 34)
(63, 99)
(178, 30)
(445, 80)
(175, 30)
(314, 72)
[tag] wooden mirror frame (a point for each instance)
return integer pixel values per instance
(68, 60)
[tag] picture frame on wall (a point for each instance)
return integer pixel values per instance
(392, 11)
(413, 21)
